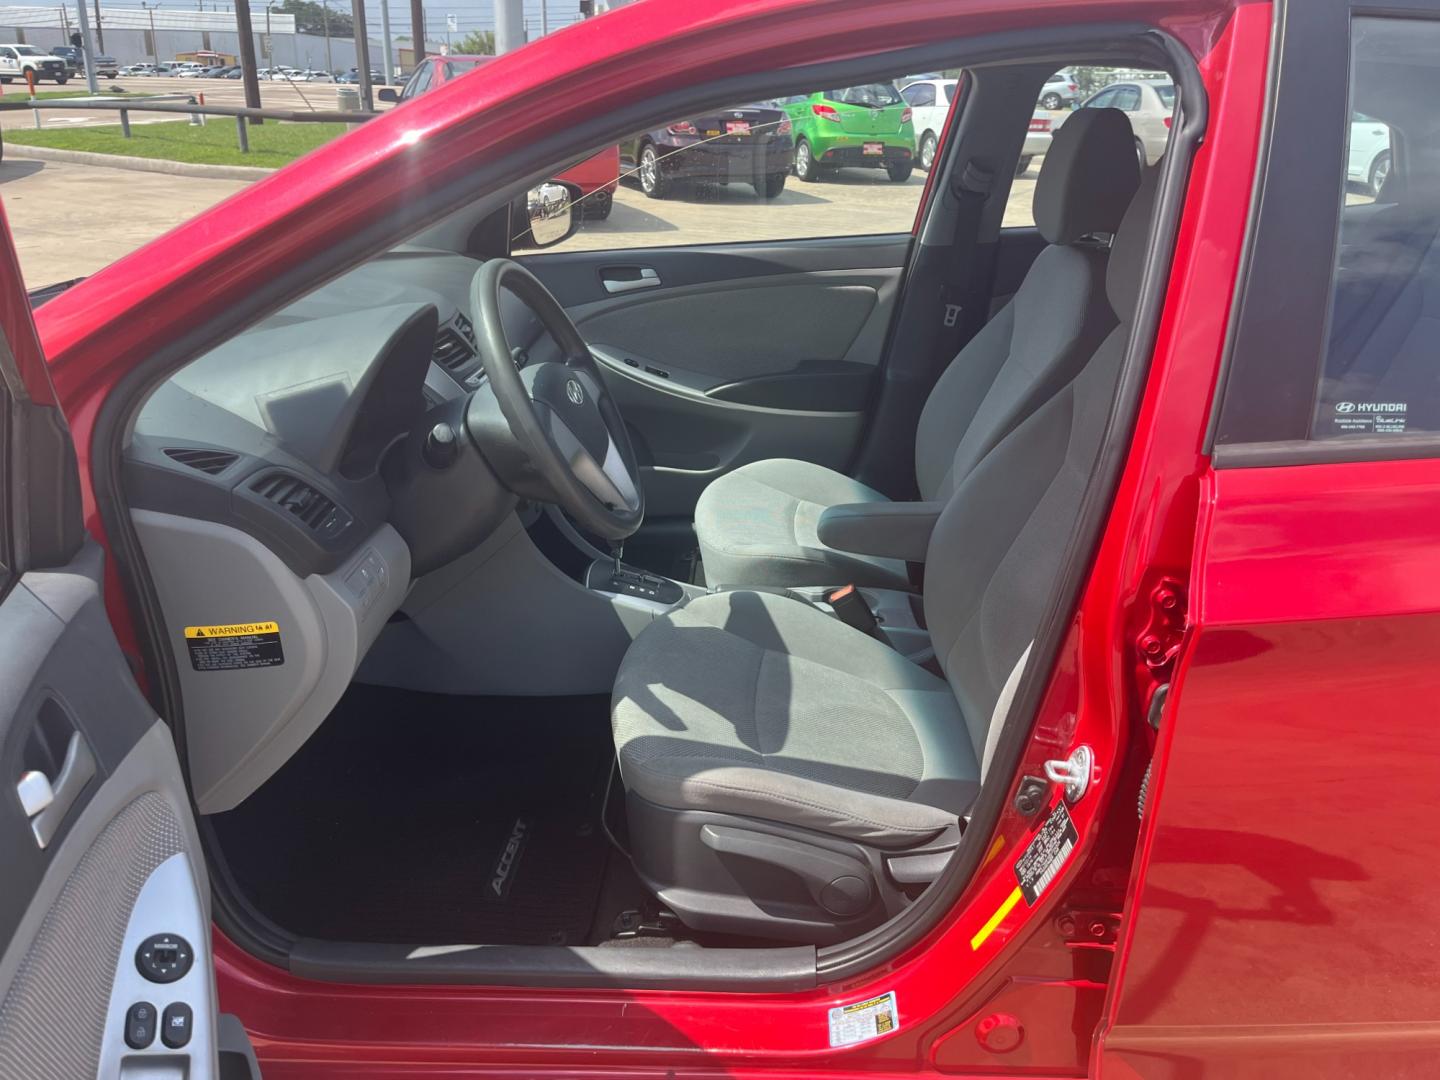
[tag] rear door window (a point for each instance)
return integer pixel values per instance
(1336, 340)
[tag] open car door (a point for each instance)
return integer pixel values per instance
(105, 958)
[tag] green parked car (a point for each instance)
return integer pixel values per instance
(864, 126)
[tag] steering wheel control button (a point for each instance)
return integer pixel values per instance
(176, 1025)
(140, 1025)
(164, 958)
(441, 447)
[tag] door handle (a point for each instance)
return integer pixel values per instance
(647, 279)
(46, 802)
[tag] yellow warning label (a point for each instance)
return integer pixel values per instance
(232, 630)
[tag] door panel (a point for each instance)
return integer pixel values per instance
(724, 355)
(97, 840)
(122, 862)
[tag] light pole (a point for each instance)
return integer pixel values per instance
(87, 48)
(325, 15)
(362, 55)
(387, 73)
(154, 44)
(269, 44)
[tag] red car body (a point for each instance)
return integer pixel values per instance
(1270, 914)
(599, 173)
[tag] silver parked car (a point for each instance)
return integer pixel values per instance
(1150, 106)
(1059, 92)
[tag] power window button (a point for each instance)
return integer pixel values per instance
(140, 1025)
(176, 1025)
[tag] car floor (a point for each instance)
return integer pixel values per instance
(413, 818)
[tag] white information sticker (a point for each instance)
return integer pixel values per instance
(851, 1024)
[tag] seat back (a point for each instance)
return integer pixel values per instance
(995, 555)
(1056, 319)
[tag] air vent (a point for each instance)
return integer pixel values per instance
(207, 461)
(455, 344)
(315, 510)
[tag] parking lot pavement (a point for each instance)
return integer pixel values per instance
(71, 220)
(855, 202)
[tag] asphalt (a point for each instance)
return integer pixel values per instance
(70, 220)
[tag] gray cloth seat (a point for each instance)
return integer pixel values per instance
(757, 524)
(763, 708)
(756, 704)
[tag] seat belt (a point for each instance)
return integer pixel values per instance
(964, 285)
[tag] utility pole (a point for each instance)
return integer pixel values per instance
(247, 57)
(325, 10)
(87, 48)
(417, 33)
(509, 25)
(544, 18)
(269, 44)
(362, 55)
(387, 72)
(154, 44)
(99, 30)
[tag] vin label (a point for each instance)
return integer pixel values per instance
(234, 646)
(1039, 863)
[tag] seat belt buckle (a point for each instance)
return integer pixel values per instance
(850, 608)
(952, 315)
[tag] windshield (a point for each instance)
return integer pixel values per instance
(1167, 94)
(30, 50)
(874, 95)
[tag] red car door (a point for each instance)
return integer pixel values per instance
(1280, 922)
(105, 913)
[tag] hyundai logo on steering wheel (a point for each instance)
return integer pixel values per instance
(574, 392)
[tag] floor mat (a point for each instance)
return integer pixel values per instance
(415, 818)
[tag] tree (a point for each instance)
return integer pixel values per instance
(310, 18)
(476, 43)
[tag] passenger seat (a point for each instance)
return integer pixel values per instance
(761, 525)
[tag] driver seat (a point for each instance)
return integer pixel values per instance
(789, 776)
(760, 524)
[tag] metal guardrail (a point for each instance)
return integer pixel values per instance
(195, 109)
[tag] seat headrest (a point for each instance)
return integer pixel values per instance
(1127, 253)
(1089, 175)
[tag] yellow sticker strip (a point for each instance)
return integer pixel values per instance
(232, 630)
(996, 919)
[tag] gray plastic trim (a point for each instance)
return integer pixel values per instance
(680, 967)
(242, 725)
(170, 902)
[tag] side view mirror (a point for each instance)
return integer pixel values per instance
(544, 216)
(388, 93)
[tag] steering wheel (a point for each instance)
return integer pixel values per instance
(551, 431)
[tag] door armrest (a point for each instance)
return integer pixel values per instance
(898, 530)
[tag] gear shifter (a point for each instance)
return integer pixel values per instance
(617, 552)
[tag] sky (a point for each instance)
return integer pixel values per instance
(470, 14)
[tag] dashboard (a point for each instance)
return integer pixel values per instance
(277, 490)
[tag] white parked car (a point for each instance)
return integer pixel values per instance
(317, 76)
(1059, 92)
(930, 101)
(17, 60)
(1149, 104)
(1370, 154)
(138, 70)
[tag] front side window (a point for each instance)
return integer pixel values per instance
(843, 161)
(1126, 98)
(419, 81)
(920, 95)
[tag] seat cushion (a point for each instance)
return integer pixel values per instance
(763, 706)
(757, 526)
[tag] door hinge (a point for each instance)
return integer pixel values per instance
(1159, 639)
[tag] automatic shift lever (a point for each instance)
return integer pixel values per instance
(617, 550)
